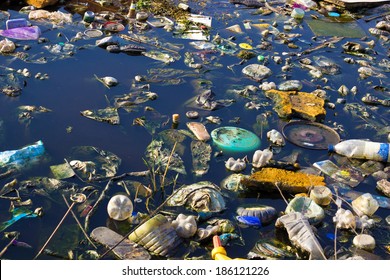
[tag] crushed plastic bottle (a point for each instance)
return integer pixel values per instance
(14, 157)
(362, 149)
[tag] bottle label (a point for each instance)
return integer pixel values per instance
(383, 151)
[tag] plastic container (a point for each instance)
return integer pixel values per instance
(365, 205)
(20, 156)
(362, 149)
(235, 139)
(15, 23)
(297, 13)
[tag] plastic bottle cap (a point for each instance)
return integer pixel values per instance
(331, 148)
(260, 57)
(333, 14)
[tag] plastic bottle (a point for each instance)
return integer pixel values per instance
(25, 153)
(132, 12)
(362, 149)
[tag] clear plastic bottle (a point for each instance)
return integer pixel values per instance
(362, 149)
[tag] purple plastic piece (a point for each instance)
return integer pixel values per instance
(22, 33)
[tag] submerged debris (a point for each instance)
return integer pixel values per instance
(202, 197)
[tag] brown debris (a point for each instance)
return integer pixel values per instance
(270, 179)
(41, 3)
(297, 104)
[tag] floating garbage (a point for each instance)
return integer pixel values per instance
(7, 46)
(344, 174)
(265, 214)
(365, 205)
(364, 241)
(307, 207)
(119, 207)
(201, 155)
(261, 158)
(326, 27)
(185, 226)
(249, 220)
(157, 235)
(275, 137)
(235, 139)
(290, 85)
(107, 81)
(257, 72)
(233, 182)
(235, 165)
(268, 251)
(301, 234)
(124, 248)
(349, 195)
(23, 155)
(344, 219)
(209, 231)
(289, 104)
(199, 130)
(20, 213)
(22, 33)
(274, 179)
(311, 135)
(321, 195)
(109, 115)
(384, 187)
(203, 196)
(93, 163)
(362, 149)
(62, 171)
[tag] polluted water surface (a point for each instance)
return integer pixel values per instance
(170, 128)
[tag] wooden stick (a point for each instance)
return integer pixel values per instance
(55, 230)
(79, 224)
(6, 247)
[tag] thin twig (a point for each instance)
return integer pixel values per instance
(54, 232)
(79, 224)
(6, 247)
(166, 168)
(281, 193)
(101, 197)
(376, 16)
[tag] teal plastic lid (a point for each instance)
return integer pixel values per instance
(333, 14)
(235, 139)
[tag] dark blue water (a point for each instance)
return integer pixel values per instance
(72, 88)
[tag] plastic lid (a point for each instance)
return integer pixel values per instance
(333, 14)
(235, 139)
